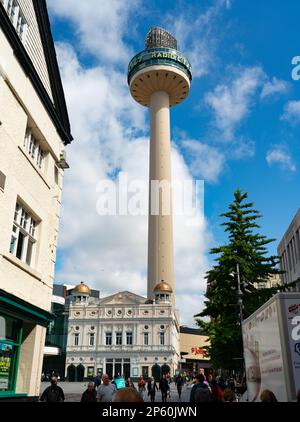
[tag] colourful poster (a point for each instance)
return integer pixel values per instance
(120, 383)
(6, 351)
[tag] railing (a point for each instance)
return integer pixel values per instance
(121, 348)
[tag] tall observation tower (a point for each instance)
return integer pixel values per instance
(159, 77)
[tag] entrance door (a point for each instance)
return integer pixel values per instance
(145, 371)
(71, 373)
(80, 373)
(118, 369)
(126, 369)
(156, 372)
(109, 370)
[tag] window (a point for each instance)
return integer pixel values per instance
(92, 339)
(2, 180)
(16, 17)
(161, 339)
(10, 344)
(108, 339)
(23, 238)
(146, 339)
(76, 339)
(118, 339)
(33, 148)
(129, 338)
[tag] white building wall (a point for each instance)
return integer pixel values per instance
(19, 106)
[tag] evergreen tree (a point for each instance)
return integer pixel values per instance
(248, 249)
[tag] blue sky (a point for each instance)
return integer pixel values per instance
(239, 127)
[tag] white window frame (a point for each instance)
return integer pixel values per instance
(129, 334)
(108, 335)
(92, 339)
(119, 338)
(34, 150)
(16, 17)
(146, 336)
(24, 224)
(161, 339)
(76, 339)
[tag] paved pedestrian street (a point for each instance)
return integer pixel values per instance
(74, 390)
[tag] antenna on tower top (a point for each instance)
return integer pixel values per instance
(159, 37)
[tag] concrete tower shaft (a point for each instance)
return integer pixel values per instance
(159, 78)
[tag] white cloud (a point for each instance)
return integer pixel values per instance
(279, 155)
(110, 253)
(206, 161)
(100, 25)
(273, 87)
(291, 112)
(232, 103)
(197, 35)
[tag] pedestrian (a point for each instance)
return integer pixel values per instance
(97, 380)
(268, 396)
(216, 391)
(152, 388)
(129, 383)
(53, 393)
(200, 391)
(142, 387)
(90, 394)
(179, 381)
(127, 395)
(228, 395)
(164, 388)
(298, 396)
(106, 390)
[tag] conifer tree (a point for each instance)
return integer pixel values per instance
(247, 248)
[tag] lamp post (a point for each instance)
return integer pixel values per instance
(240, 303)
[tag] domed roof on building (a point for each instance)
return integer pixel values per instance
(82, 288)
(163, 287)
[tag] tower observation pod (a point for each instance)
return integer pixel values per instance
(159, 78)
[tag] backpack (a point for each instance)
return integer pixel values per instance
(53, 395)
(202, 393)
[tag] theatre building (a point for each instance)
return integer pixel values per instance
(123, 333)
(34, 130)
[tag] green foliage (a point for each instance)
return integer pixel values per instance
(247, 248)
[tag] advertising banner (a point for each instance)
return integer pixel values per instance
(263, 355)
(292, 315)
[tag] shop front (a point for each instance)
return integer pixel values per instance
(22, 334)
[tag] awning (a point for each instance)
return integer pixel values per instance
(24, 310)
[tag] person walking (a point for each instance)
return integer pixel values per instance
(97, 380)
(200, 391)
(152, 388)
(53, 393)
(129, 383)
(142, 387)
(90, 394)
(179, 381)
(164, 388)
(106, 390)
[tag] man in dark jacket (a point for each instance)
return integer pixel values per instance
(53, 393)
(164, 388)
(200, 391)
(90, 394)
(152, 388)
(179, 381)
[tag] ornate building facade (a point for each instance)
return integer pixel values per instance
(123, 333)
